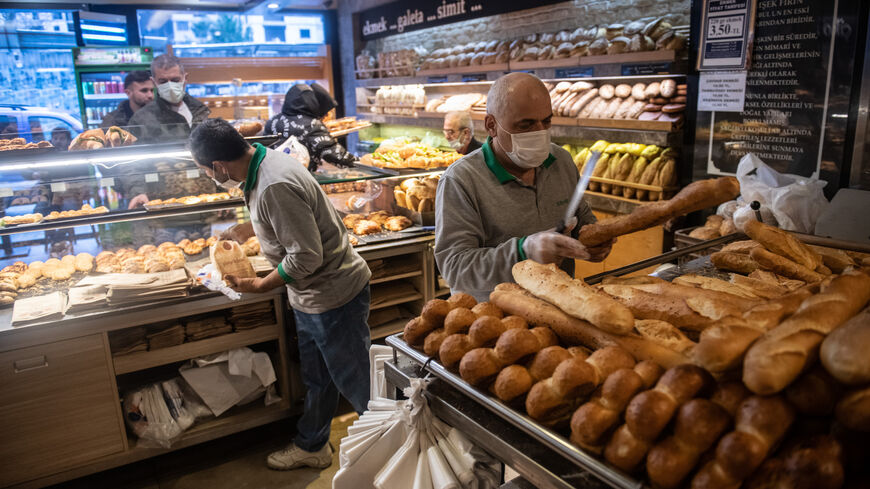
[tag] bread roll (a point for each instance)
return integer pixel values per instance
(845, 352)
(573, 296)
(696, 196)
(777, 358)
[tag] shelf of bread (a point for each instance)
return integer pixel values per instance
(465, 69)
(148, 359)
(622, 58)
(635, 379)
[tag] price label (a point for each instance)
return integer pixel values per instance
(58, 187)
(436, 79)
(152, 177)
(725, 27)
(6, 192)
(476, 77)
(107, 182)
(577, 72)
(192, 173)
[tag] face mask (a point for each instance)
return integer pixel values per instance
(228, 184)
(172, 92)
(530, 149)
(455, 144)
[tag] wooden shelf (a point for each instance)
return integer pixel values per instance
(442, 292)
(390, 278)
(389, 328)
(464, 69)
(641, 57)
(400, 300)
(567, 122)
(629, 124)
(148, 359)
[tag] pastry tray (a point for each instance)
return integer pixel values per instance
(553, 440)
(385, 236)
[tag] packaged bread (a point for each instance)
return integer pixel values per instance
(230, 259)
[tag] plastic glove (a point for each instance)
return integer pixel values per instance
(551, 247)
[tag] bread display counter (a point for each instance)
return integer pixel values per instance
(743, 370)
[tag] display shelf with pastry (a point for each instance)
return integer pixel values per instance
(14, 145)
(191, 200)
(409, 156)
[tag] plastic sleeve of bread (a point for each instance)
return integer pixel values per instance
(694, 197)
(514, 300)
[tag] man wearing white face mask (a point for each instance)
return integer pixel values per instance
(500, 205)
(173, 112)
(459, 132)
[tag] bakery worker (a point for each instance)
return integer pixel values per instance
(459, 132)
(140, 91)
(302, 235)
(500, 205)
(300, 116)
(173, 112)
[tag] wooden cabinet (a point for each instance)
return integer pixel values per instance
(628, 249)
(58, 408)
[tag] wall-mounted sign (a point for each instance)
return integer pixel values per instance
(411, 15)
(722, 91)
(646, 69)
(727, 32)
(577, 72)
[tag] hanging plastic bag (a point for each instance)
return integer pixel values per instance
(297, 150)
(795, 201)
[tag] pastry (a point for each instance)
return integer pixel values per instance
(350, 220)
(397, 223)
(363, 227)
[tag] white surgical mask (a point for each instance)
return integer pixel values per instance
(228, 184)
(172, 92)
(455, 144)
(530, 149)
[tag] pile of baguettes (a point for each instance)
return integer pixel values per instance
(760, 382)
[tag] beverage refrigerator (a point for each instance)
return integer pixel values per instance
(100, 73)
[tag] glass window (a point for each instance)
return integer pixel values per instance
(8, 126)
(46, 128)
(229, 34)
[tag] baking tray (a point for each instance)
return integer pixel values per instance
(385, 236)
(555, 441)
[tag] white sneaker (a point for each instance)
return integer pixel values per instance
(294, 457)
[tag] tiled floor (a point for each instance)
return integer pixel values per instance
(234, 462)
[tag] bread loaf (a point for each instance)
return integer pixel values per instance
(229, 258)
(695, 196)
(837, 260)
(665, 334)
(845, 352)
(594, 420)
(815, 463)
(555, 397)
(650, 411)
(815, 393)
(760, 423)
(718, 285)
(853, 410)
(784, 266)
(735, 262)
(648, 305)
(777, 358)
(573, 331)
(573, 296)
(782, 243)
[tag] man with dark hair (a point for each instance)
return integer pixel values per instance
(304, 106)
(140, 91)
(302, 235)
(173, 112)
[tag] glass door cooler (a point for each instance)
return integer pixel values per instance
(100, 73)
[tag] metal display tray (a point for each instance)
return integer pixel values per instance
(551, 439)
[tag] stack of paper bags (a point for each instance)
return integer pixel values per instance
(201, 327)
(252, 315)
(163, 335)
(127, 289)
(87, 298)
(401, 444)
(128, 340)
(37, 309)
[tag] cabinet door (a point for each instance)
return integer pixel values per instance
(57, 408)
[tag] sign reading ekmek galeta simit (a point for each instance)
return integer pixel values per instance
(411, 15)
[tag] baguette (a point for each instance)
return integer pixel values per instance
(719, 285)
(709, 303)
(696, 196)
(837, 260)
(735, 262)
(647, 305)
(573, 296)
(782, 243)
(572, 331)
(845, 352)
(665, 334)
(760, 288)
(778, 357)
(784, 266)
(721, 347)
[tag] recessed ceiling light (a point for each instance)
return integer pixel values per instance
(273, 5)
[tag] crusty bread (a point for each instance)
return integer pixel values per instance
(573, 296)
(648, 305)
(853, 410)
(712, 283)
(845, 352)
(836, 260)
(664, 333)
(695, 196)
(743, 246)
(733, 261)
(708, 303)
(572, 331)
(776, 359)
(784, 266)
(782, 243)
(759, 288)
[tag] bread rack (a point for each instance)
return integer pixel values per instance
(550, 439)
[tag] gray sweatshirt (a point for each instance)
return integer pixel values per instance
(483, 214)
(301, 234)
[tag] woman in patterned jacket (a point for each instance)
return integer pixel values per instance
(300, 116)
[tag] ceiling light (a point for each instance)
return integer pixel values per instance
(273, 5)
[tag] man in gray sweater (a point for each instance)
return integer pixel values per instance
(301, 234)
(500, 204)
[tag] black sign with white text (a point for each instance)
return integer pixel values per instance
(412, 15)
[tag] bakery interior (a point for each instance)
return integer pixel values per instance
(722, 343)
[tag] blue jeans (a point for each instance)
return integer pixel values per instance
(334, 357)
